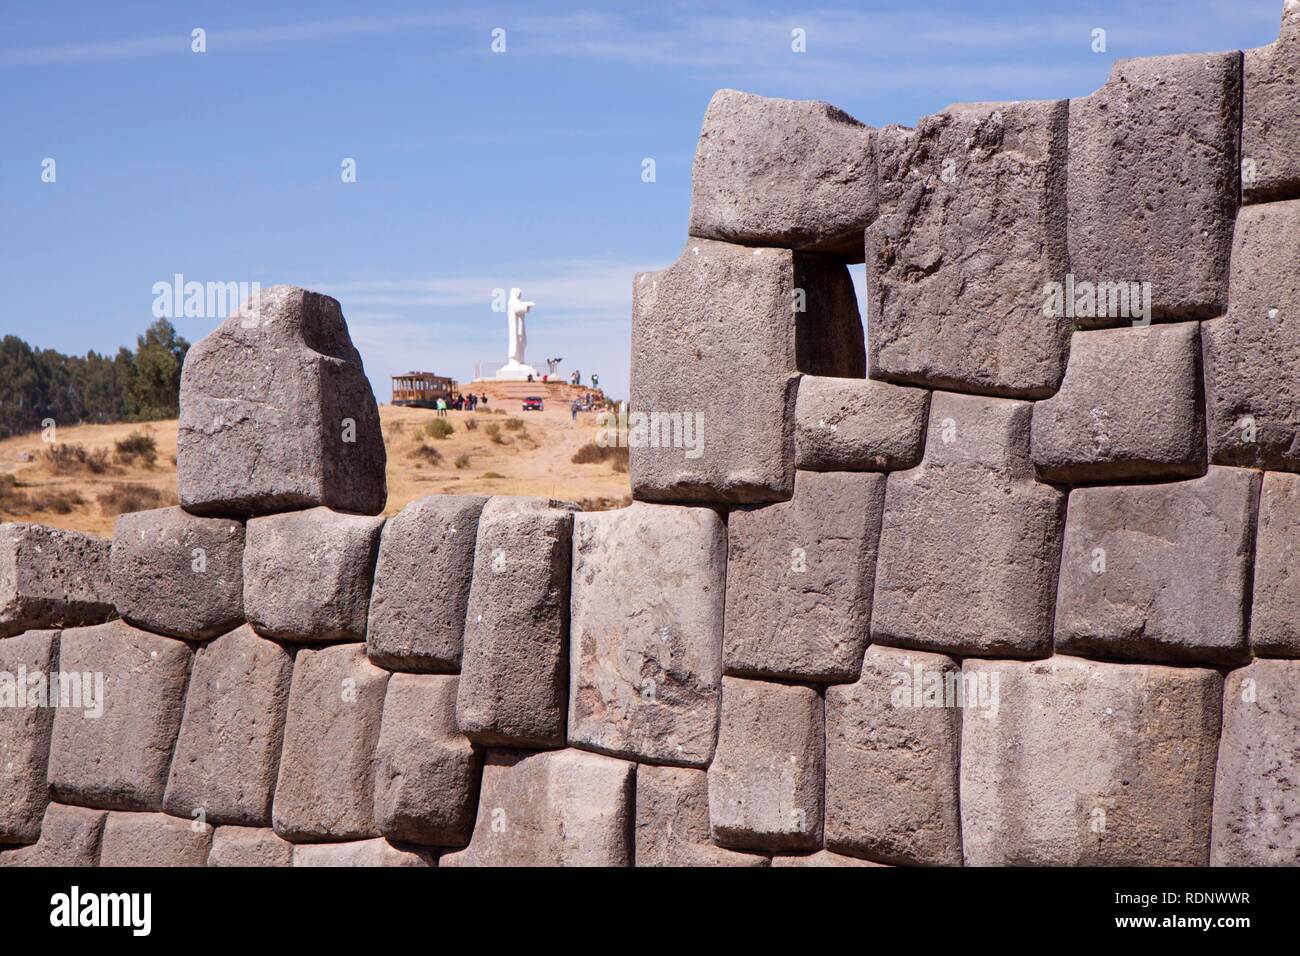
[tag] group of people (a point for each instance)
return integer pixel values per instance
(460, 403)
(575, 377)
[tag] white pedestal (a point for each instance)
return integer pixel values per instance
(516, 372)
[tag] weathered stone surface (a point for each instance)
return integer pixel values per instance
(277, 413)
(1270, 123)
(249, 846)
(178, 574)
(1159, 572)
(26, 722)
(119, 760)
(716, 340)
(422, 581)
(426, 772)
(855, 424)
(765, 783)
(1275, 610)
(892, 745)
(649, 583)
(52, 578)
(154, 839)
(1252, 354)
(821, 858)
(971, 230)
(672, 821)
(70, 837)
(1153, 181)
(325, 789)
(1090, 764)
(307, 575)
(377, 852)
(799, 174)
(512, 685)
(1130, 407)
(799, 577)
(1257, 786)
(556, 808)
(970, 542)
(229, 747)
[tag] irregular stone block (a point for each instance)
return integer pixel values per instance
(307, 575)
(821, 858)
(1257, 786)
(1159, 572)
(1130, 407)
(154, 839)
(1275, 610)
(1252, 354)
(799, 577)
(377, 852)
(892, 745)
(26, 721)
(1089, 764)
(422, 580)
(1270, 123)
(277, 413)
(70, 837)
(512, 682)
(52, 578)
(971, 230)
(855, 424)
(325, 789)
(556, 808)
(177, 574)
(721, 330)
(113, 741)
(426, 772)
(229, 747)
(249, 846)
(765, 783)
(649, 583)
(672, 821)
(799, 174)
(969, 542)
(1153, 181)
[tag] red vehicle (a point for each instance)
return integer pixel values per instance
(532, 404)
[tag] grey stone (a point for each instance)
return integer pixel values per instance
(1275, 609)
(1159, 572)
(249, 846)
(26, 722)
(70, 837)
(855, 424)
(649, 583)
(52, 578)
(799, 576)
(277, 413)
(1270, 124)
(376, 852)
(154, 839)
(821, 858)
(672, 821)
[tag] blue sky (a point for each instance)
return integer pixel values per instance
(475, 170)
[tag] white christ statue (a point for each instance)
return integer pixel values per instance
(515, 368)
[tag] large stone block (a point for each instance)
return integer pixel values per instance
(799, 174)
(799, 577)
(1252, 354)
(325, 789)
(1270, 122)
(52, 578)
(1089, 764)
(1153, 181)
(376, 852)
(307, 575)
(426, 772)
(249, 846)
(1130, 407)
(855, 424)
(228, 752)
(556, 808)
(70, 837)
(971, 230)
(422, 581)
(113, 743)
(970, 542)
(1159, 572)
(1275, 609)
(513, 680)
(649, 583)
(765, 783)
(154, 839)
(1257, 786)
(892, 745)
(716, 341)
(672, 821)
(178, 574)
(26, 722)
(277, 413)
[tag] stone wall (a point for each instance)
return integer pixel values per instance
(1022, 595)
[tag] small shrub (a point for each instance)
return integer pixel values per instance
(593, 454)
(75, 459)
(427, 453)
(494, 433)
(438, 428)
(462, 461)
(124, 498)
(492, 474)
(137, 446)
(514, 424)
(471, 424)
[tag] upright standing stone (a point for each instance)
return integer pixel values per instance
(154, 839)
(971, 230)
(855, 424)
(1270, 125)
(799, 577)
(249, 846)
(70, 837)
(26, 721)
(646, 636)
(1275, 609)
(52, 578)
(672, 821)
(277, 413)
(375, 852)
